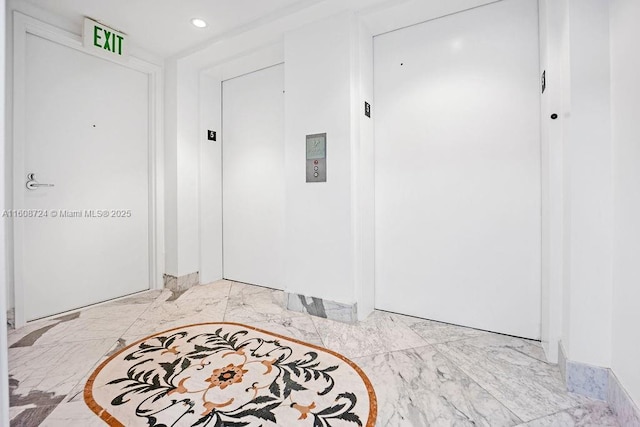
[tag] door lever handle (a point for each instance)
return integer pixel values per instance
(33, 184)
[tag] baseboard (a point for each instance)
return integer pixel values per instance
(346, 313)
(562, 362)
(623, 406)
(599, 383)
(580, 378)
(181, 283)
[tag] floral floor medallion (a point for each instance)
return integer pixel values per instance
(229, 375)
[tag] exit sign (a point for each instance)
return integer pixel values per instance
(105, 41)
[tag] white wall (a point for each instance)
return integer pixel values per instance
(625, 69)
(363, 164)
(171, 168)
(250, 49)
(593, 159)
(319, 234)
(391, 16)
(577, 181)
(182, 156)
(188, 140)
(210, 198)
(553, 60)
(588, 292)
(336, 70)
(210, 182)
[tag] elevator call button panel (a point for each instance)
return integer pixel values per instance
(317, 157)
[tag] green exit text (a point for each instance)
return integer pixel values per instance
(107, 40)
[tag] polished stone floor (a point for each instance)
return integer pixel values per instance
(425, 373)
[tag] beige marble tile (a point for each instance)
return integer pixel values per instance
(513, 370)
(255, 304)
(216, 290)
(300, 328)
(380, 333)
(163, 315)
(146, 297)
(420, 387)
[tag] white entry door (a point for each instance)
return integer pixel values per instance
(86, 133)
(458, 169)
(253, 177)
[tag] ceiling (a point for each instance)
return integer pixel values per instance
(163, 27)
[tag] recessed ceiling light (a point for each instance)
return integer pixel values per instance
(198, 22)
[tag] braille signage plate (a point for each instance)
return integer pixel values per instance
(105, 41)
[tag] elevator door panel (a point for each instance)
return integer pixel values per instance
(253, 177)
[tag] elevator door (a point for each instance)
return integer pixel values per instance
(458, 169)
(253, 177)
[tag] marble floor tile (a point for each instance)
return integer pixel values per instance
(436, 332)
(163, 315)
(381, 332)
(407, 320)
(30, 416)
(72, 414)
(215, 290)
(596, 414)
(255, 304)
(145, 297)
(58, 359)
(15, 411)
(301, 328)
(125, 310)
(514, 371)
(419, 387)
(35, 328)
(105, 321)
(76, 394)
(425, 373)
(43, 376)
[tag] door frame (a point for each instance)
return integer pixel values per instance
(23, 25)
